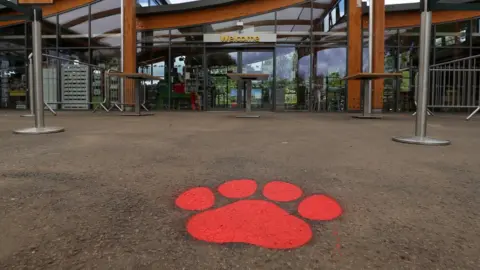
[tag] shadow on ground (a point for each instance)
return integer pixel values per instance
(101, 195)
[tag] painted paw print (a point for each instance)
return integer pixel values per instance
(257, 222)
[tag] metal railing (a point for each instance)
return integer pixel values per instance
(74, 85)
(82, 86)
(455, 85)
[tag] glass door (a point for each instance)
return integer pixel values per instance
(259, 61)
(227, 94)
(222, 92)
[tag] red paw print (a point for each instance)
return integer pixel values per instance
(256, 222)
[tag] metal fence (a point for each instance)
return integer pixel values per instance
(73, 85)
(455, 85)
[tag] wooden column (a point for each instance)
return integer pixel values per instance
(354, 54)
(379, 49)
(129, 48)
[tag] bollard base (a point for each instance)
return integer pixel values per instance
(421, 141)
(39, 131)
(247, 116)
(27, 115)
(367, 116)
(137, 114)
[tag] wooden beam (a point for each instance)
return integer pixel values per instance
(379, 55)
(354, 54)
(412, 18)
(129, 48)
(212, 15)
(34, 2)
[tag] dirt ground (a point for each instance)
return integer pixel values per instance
(102, 194)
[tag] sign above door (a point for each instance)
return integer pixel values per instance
(240, 38)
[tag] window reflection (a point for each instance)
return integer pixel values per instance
(12, 37)
(13, 79)
(187, 34)
(452, 34)
(105, 24)
(329, 90)
(409, 37)
(292, 77)
(74, 28)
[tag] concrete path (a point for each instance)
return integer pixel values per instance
(102, 195)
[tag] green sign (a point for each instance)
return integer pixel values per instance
(453, 4)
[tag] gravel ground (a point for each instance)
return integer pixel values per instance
(102, 194)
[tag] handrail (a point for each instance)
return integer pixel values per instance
(455, 61)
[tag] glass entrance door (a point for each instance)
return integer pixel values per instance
(226, 94)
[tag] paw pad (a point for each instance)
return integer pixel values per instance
(257, 222)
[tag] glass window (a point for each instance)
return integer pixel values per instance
(260, 23)
(409, 37)
(106, 58)
(185, 69)
(13, 37)
(336, 37)
(329, 91)
(74, 30)
(452, 34)
(391, 37)
(326, 23)
(148, 38)
(317, 13)
(447, 54)
(476, 33)
(259, 61)
(191, 34)
(106, 32)
(223, 92)
(223, 27)
(341, 7)
(292, 77)
(105, 24)
(13, 79)
(294, 19)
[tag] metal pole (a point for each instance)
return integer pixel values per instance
(248, 94)
(38, 69)
(367, 87)
(31, 102)
(425, 32)
(248, 100)
(38, 80)
(424, 67)
(367, 95)
(138, 87)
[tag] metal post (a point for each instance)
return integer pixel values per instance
(38, 80)
(31, 102)
(248, 100)
(421, 116)
(367, 92)
(367, 95)
(138, 88)
(248, 96)
(138, 85)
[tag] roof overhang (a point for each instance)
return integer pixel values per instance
(189, 6)
(395, 8)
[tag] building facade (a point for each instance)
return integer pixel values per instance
(306, 47)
